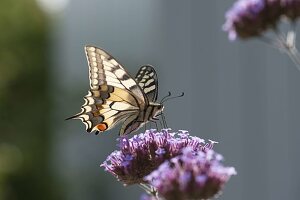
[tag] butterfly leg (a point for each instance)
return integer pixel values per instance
(150, 124)
(164, 121)
(145, 126)
(161, 125)
(156, 125)
(155, 122)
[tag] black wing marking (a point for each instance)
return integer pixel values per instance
(148, 81)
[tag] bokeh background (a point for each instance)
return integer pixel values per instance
(243, 94)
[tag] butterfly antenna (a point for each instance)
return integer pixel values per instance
(168, 95)
(167, 99)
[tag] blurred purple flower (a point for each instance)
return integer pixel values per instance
(147, 197)
(249, 18)
(143, 153)
(252, 18)
(191, 175)
(291, 8)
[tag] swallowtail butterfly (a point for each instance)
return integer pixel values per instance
(115, 96)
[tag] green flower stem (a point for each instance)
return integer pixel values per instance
(288, 42)
(150, 190)
(295, 56)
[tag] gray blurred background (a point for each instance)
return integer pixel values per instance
(243, 94)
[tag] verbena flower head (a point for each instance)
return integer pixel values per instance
(191, 175)
(249, 18)
(143, 153)
(291, 8)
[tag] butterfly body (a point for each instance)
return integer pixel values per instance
(115, 97)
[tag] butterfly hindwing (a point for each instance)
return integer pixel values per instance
(106, 107)
(147, 80)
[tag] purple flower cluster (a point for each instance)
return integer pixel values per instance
(291, 8)
(143, 153)
(250, 18)
(191, 175)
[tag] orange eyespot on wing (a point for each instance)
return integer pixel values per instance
(102, 127)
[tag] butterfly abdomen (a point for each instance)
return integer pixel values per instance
(152, 110)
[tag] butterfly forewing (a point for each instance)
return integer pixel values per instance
(147, 80)
(104, 69)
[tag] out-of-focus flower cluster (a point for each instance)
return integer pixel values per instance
(191, 175)
(250, 18)
(143, 153)
(148, 197)
(291, 8)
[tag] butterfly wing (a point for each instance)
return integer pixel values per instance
(147, 80)
(114, 95)
(130, 124)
